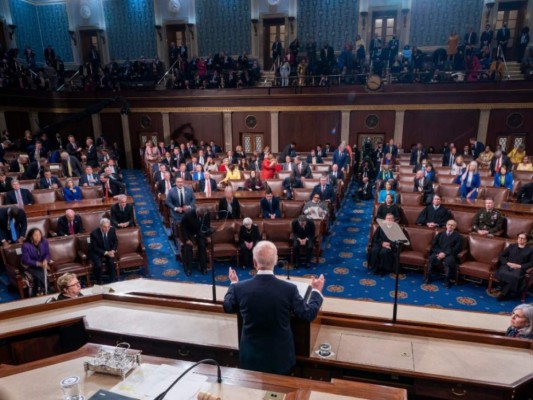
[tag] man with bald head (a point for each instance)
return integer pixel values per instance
(69, 224)
(266, 304)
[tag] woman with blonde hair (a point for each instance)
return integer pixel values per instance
(69, 286)
(470, 182)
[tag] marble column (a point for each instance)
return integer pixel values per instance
(483, 126)
(398, 127)
(228, 131)
(274, 131)
(166, 126)
(97, 126)
(3, 122)
(345, 127)
(34, 121)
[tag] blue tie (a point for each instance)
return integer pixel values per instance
(13, 230)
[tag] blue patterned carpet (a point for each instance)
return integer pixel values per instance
(343, 262)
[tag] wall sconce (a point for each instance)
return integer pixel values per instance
(102, 36)
(364, 14)
(254, 23)
(158, 30)
(73, 37)
(12, 29)
(405, 12)
(291, 23)
(490, 5)
(191, 26)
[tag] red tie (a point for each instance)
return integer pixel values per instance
(498, 164)
(71, 228)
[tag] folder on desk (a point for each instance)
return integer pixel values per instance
(304, 289)
(107, 395)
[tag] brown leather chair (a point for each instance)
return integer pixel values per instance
(42, 223)
(218, 176)
(417, 252)
(442, 171)
(518, 224)
(310, 183)
(250, 209)
(67, 256)
(405, 169)
(91, 192)
(464, 221)
(520, 175)
(44, 196)
(91, 220)
(302, 194)
(279, 232)
(411, 199)
(446, 179)
(409, 214)
(407, 178)
(481, 259)
(130, 251)
(237, 184)
(528, 280)
(225, 240)
(212, 208)
(317, 174)
(29, 184)
(321, 167)
(487, 181)
(500, 195)
(276, 185)
(75, 179)
(283, 174)
(15, 273)
(483, 172)
(448, 191)
(317, 250)
(291, 208)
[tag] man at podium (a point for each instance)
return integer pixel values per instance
(266, 304)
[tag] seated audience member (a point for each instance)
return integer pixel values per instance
(364, 192)
(71, 165)
(160, 173)
(198, 175)
(485, 158)
(228, 206)
(429, 172)
(69, 224)
(517, 154)
(36, 259)
(381, 256)
(180, 199)
(110, 188)
(224, 166)
(253, 183)
(69, 287)
(13, 225)
(89, 178)
(303, 231)
(384, 175)
(421, 166)
(525, 165)
(301, 169)
(388, 160)
(122, 214)
(499, 160)
(449, 157)
(164, 186)
(521, 322)
(71, 192)
(324, 189)
(20, 165)
(417, 154)
(195, 226)
(104, 244)
(488, 221)
(19, 196)
(444, 251)
(207, 185)
(367, 170)
(470, 182)
(248, 238)
(49, 181)
(385, 192)
(183, 173)
(270, 206)
(315, 208)
(313, 158)
(459, 167)
(191, 166)
(434, 215)
(232, 174)
(504, 178)
(525, 195)
(5, 182)
(210, 165)
(515, 260)
(388, 207)
(423, 185)
(336, 177)
(289, 184)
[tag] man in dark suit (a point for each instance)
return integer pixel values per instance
(207, 185)
(313, 158)
(289, 184)
(287, 151)
(69, 224)
(444, 251)
(89, 178)
(476, 148)
(160, 174)
(13, 225)
(180, 199)
(266, 305)
(391, 148)
(448, 158)
(5, 182)
(92, 153)
(110, 187)
(229, 207)
(270, 206)
(73, 148)
(122, 213)
(195, 226)
(324, 189)
(418, 154)
(71, 165)
(341, 156)
(499, 160)
(364, 192)
(49, 181)
(502, 37)
(3, 147)
(103, 247)
(20, 165)
(21, 197)
(336, 177)
(183, 173)
(37, 151)
(164, 186)
(301, 169)
(424, 185)
(303, 231)
(434, 215)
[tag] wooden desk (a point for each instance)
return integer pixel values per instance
(240, 195)
(59, 207)
(505, 208)
(236, 384)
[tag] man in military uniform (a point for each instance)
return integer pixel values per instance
(488, 221)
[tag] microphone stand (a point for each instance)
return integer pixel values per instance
(206, 361)
(397, 245)
(212, 250)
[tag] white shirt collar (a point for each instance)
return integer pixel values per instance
(265, 272)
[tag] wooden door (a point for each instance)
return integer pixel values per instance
(360, 138)
(175, 33)
(89, 38)
(272, 28)
(252, 142)
(510, 141)
(384, 25)
(511, 13)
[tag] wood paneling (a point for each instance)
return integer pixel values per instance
(385, 125)
(308, 129)
(17, 122)
(433, 128)
(498, 126)
(197, 126)
(67, 124)
(238, 121)
(112, 132)
(136, 128)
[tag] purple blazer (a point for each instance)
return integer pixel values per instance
(29, 253)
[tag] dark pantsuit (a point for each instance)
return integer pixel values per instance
(202, 254)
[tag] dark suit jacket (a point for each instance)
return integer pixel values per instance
(43, 183)
(191, 227)
(341, 159)
(309, 159)
(15, 167)
(186, 176)
(6, 185)
(308, 231)
(333, 180)
(62, 225)
(306, 171)
(21, 224)
(439, 216)
(414, 155)
(451, 246)
(97, 243)
(118, 216)
(85, 180)
(266, 304)
(31, 152)
(27, 198)
(223, 208)
(115, 188)
(77, 170)
(33, 171)
(92, 156)
(427, 189)
(161, 186)
(71, 151)
(201, 185)
(477, 149)
(505, 161)
(265, 208)
(328, 194)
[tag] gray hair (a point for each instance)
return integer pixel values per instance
(265, 255)
(527, 309)
(247, 221)
(105, 221)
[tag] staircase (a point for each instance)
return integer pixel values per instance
(267, 79)
(514, 71)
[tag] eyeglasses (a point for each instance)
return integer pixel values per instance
(74, 284)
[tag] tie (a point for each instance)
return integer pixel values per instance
(270, 205)
(71, 228)
(21, 168)
(498, 164)
(106, 244)
(323, 189)
(20, 203)
(300, 168)
(502, 180)
(90, 180)
(418, 157)
(13, 230)
(208, 187)
(182, 202)
(421, 183)
(451, 161)
(49, 183)
(168, 187)
(447, 233)
(69, 167)
(107, 190)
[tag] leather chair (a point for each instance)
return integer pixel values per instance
(407, 178)
(481, 259)
(276, 185)
(67, 256)
(43, 223)
(448, 191)
(44, 196)
(317, 174)
(520, 175)
(487, 181)
(528, 280)
(237, 184)
(317, 249)
(245, 175)
(279, 232)
(91, 192)
(500, 195)
(56, 168)
(405, 169)
(218, 176)
(483, 173)
(291, 208)
(130, 251)
(11, 256)
(409, 214)
(250, 209)
(29, 184)
(310, 183)
(411, 199)
(211, 207)
(283, 174)
(518, 224)
(417, 252)
(75, 179)
(464, 221)
(447, 179)
(91, 220)
(225, 240)
(321, 167)
(302, 194)
(442, 171)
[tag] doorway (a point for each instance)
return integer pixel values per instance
(3, 41)
(511, 13)
(360, 138)
(510, 141)
(272, 28)
(384, 25)
(88, 39)
(176, 33)
(252, 142)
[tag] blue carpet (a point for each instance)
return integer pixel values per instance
(343, 262)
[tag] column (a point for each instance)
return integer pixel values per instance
(127, 140)
(228, 131)
(483, 126)
(398, 127)
(97, 125)
(274, 131)
(166, 126)
(3, 122)
(34, 121)
(345, 126)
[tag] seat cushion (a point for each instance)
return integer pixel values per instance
(476, 269)
(411, 257)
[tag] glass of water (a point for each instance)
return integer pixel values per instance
(71, 388)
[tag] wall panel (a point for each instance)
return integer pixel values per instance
(17, 122)
(69, 125)
(197, 126)
(308, 129)
(385, 124)
(498, 125)
(239, 126)
(112, 132)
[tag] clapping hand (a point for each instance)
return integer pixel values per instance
(232, 275)
(318, 283)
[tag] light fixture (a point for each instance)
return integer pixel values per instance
(364, 14)
(12, 29)
(405, 12)
(191, 26)
(490, 5)
(254, 23)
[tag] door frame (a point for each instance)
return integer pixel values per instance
(189, 40)
(101, 40)
(261, 34)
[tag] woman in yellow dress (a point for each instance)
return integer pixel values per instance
(302, 71)
(453, 43)
(485, 157)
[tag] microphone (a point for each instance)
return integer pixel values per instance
(205, 361)
(285, 264)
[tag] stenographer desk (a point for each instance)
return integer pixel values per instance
(59, 207)
(432, 353)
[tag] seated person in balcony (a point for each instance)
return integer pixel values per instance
(289, 184)
(336, 176)
(444, 250)
(13, 225)
(315, 208)
(232, 174)
(459, 167)
(195, 227)
(434, 215)
(122, 213)
(497, 69)
(71, 192)
(423, 185)
(525, 165)
(253, 183)
(381, 256)
(386, 191)
(5, 182)
(517, 154)
(521, 322)
(504, 179)
(388, 207)
(515, 260)
(69, 287)
(103, 247)
(69, 224)
(303, 231)
(525, 195)
(270, 206)
(470, 182)
(207, 185)
(313, 158)
(324, 189)
(198, 175)
(89, 178)
(20, 196)
(49, 181)
(301, 169)
(248, 238)
(36, 259)
(180, 199)
(488, 221)
(228, 206)
(485, 158)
